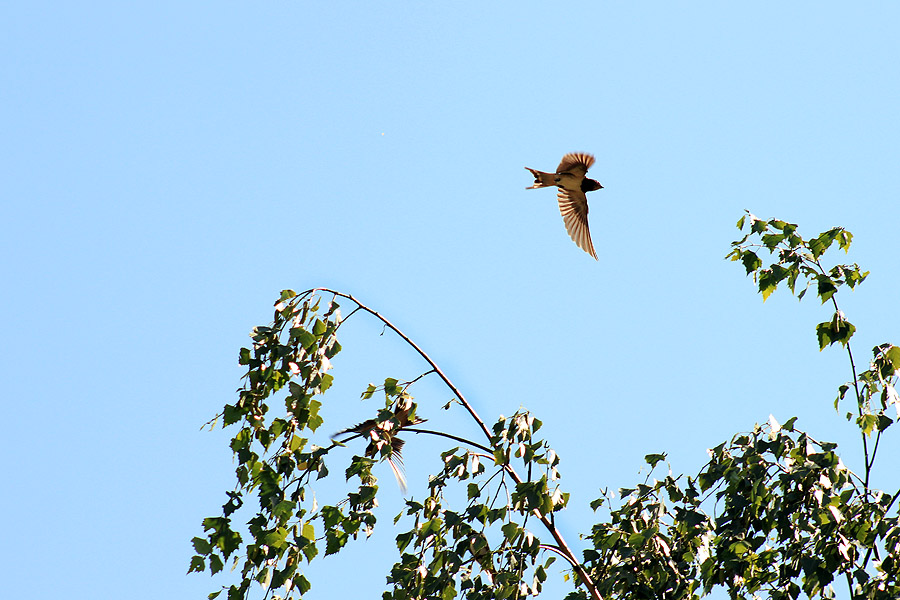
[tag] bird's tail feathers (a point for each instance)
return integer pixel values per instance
(395, 459)
(541, 179)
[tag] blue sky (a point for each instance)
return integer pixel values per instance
(168, 168)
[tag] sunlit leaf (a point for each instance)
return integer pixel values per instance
(653, 459)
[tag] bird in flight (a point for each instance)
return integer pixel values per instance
(382, 434)
(573, 185)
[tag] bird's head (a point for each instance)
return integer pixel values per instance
(590, 185)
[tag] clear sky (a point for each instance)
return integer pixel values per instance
(168, 167)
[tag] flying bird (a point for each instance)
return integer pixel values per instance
(382, 433)
(573, 185)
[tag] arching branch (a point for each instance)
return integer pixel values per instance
(548, 523)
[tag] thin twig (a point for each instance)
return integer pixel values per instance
(553, 548)
(406, 384)
(452, 437)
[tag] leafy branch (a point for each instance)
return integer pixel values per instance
(799, 258)
(277, 462)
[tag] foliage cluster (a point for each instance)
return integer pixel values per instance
(774, 513)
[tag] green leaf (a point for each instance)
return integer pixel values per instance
(231, 415)
(768, 281)
(297, 390)
(319, 327)
(215, 564)
(223, 537)
(819, 245)
(197, 564)
(391, 388)
(326, 382)
(244, 357)
(842, 391)
(842, 330)
(335, 539)
(361, 466)
(823, 332)
(751, 261)
(304, 338)
(825, 288)
(792, 273)
(771, 240)
(740, 222)
(653, 459)
(296, 443)
(836, 330)
(333, 349)
(511, 530)
(432, 526)
(844, 240)
(310, 551)
(276, 538)
(369, 391)
(740, 548)
(449, 591)
(452, 518)
(277, 427)
(284, 510)
(404, 539)
(301, 583)
(867, 423)
(331, 516)
(201, 546)
(892, 356)
(637, 540)
(473, 491)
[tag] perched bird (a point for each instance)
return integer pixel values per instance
(382, 433)
(572, 183)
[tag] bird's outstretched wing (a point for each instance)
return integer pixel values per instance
(576, 163)
(573, 207)
(384, 431)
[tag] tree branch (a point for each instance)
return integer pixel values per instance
(867, 460)
(415, 347)
(452, 437)
(548, 524)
